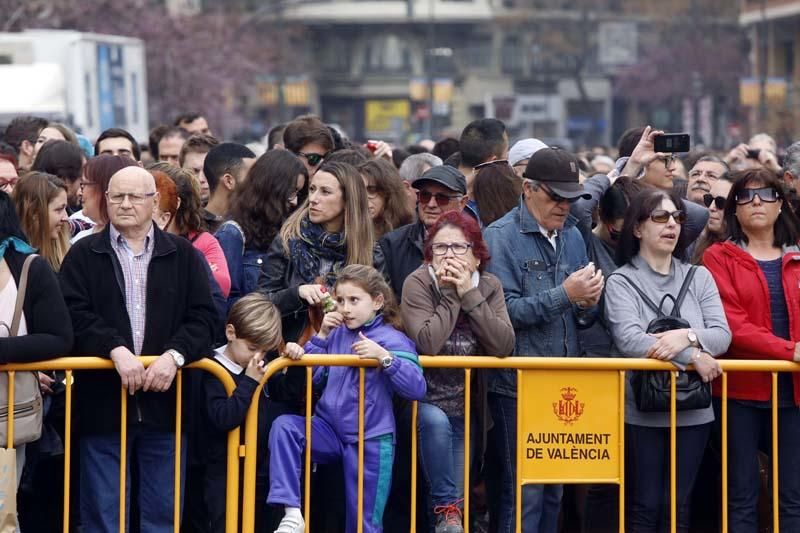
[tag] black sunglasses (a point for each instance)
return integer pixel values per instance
(313, 159)
(442, 199)
(661, 216)
(557, 198)
(765, 194)
(718, 201)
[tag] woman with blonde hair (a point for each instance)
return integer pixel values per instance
(331, 230)
(41, 202)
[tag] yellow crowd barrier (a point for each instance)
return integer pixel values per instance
(544, 367)
(71, 364)
(587, 369)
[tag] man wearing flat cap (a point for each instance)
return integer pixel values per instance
(550, 289)
(439, 190)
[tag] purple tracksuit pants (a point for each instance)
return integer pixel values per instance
(287, 440)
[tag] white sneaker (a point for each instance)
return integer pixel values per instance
(291, 524)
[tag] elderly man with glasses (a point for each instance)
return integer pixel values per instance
(133, 290)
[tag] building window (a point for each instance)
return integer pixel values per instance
(478, 52)
(511, 60)
(336, 55)
(387, 54)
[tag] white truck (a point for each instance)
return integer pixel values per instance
(87, 80)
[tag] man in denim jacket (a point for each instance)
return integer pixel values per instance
(550, 289)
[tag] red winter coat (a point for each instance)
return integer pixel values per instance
(745, 297)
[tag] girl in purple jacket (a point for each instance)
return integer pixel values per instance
(365, 306)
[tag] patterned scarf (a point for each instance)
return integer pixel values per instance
(314, 244)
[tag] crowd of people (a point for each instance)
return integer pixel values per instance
(189, 248)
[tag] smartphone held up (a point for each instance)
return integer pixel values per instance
(672, 142)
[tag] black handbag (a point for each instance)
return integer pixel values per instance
(651, 389)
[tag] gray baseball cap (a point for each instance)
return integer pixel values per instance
(447, 176)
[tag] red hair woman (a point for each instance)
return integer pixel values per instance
(451, 306)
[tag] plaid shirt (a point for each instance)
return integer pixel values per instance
(134, 271)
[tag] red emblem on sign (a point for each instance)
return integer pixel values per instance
(568, 409)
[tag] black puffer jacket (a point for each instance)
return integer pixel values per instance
(402, 254)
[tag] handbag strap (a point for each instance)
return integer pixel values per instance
(676, 308)
(23, 285)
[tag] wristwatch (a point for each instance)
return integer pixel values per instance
(177, 357)
(386, 362)
(692, 337)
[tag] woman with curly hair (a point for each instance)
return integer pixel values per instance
(276, 183)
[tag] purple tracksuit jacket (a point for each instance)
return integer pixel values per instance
(339, 402)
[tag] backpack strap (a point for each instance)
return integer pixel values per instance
(676, 310)
(23, 285)
(642, 295)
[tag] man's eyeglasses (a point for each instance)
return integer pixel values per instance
(765, 194)
(458, 248)
(490, 163)
(313, 159)
(133, 197)
(424, 197)
(8, 182)
(557, 198)
(718, 201)
(661, 216)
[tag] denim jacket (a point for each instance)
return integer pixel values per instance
(532, 273)
(244, 264)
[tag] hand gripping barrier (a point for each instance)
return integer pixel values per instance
(70, 364)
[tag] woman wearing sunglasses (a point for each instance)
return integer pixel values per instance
(650, 248)
(451, 306)
(757, 271)
(714, 200)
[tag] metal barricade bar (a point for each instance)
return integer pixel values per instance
(70, 364)
(622, 365)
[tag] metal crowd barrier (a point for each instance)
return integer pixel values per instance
(566, 410)
(70, 364)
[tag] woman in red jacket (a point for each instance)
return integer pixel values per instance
(757, 271)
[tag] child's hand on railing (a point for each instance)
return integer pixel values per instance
(293, 351)
(369, 349)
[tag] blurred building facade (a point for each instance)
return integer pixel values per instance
(408, 69)
(770, 92)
